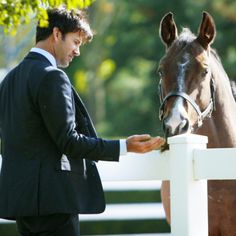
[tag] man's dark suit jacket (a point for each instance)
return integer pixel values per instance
(48, 145)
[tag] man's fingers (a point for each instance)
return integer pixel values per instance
(144, 143)
(153, 143)
(141, 137)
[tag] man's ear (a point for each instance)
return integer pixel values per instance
(56, 33)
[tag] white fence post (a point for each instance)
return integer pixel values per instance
(189, 216)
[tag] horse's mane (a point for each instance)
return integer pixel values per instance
(233, 88)
(215, 54)
(186, 36)
(232, 83)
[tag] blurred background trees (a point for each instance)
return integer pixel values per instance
(116, 73)
(17, 12)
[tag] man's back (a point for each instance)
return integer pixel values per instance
(33, 180)
(20, 117)
(24, 138)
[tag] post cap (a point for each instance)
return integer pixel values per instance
(188, 138)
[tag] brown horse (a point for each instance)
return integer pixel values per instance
(196, 97)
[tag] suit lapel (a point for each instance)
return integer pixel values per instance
(82, 111)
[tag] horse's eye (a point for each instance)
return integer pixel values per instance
(205, 72)
(160, 73)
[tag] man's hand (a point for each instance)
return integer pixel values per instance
(143, 143)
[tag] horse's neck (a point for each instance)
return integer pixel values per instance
(221, 127)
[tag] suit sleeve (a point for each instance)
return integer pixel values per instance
(56, 107)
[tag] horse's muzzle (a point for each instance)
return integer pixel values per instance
(171, 127)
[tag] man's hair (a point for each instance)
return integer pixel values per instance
(66, 21)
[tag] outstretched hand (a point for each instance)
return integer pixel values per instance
(143, 143)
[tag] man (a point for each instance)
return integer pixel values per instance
(49, 145)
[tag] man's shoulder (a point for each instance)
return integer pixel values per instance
(53, 69)
(54, 72)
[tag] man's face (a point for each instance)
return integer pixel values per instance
(67, 47)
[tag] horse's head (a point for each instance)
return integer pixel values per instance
(186, 85)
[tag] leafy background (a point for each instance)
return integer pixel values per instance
(116, 73)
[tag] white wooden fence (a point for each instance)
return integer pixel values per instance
(188, 165)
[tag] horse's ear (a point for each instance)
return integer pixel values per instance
(207, 30)
(168, 30)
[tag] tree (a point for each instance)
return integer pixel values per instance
(17, 12)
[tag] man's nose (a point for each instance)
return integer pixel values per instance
(77, 51)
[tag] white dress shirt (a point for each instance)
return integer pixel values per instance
(51, 58)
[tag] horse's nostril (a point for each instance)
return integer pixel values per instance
(167, 129)
(175, 127)
(184, 126)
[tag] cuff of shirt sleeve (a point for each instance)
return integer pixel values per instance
(123, 147)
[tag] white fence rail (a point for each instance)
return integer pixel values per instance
(188, 165)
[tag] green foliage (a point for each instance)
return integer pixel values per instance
(17, 12)
(116, 72)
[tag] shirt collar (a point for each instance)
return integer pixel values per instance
(46, 54)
